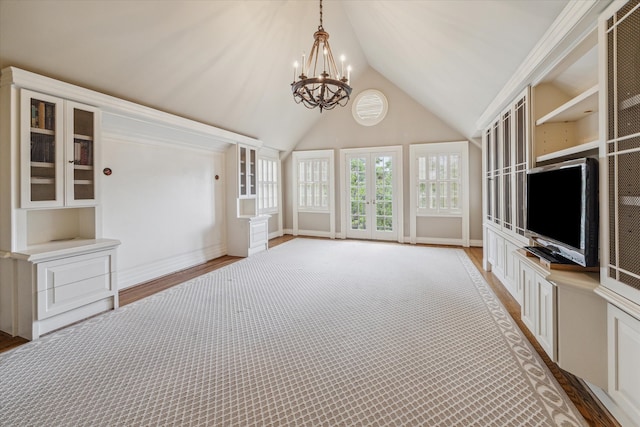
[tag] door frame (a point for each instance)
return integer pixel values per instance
(398, 193)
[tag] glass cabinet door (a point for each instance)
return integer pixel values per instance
(242, 171)
(81, 152)
(41, 150)
(246, 172)
(251, 173)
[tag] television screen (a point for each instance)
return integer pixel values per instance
(562, 209)
(555, 205)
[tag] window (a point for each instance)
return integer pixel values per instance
(313, 184)
(267, 185)
(370, 107)
(439, 181)
(313, 193)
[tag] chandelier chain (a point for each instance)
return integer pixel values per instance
(325, 90)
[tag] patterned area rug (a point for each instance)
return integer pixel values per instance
(312, 332)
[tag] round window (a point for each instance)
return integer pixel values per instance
(369, 107)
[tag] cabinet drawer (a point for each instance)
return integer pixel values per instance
(258, 233)
(72, 282)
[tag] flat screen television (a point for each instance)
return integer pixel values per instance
(562, 210)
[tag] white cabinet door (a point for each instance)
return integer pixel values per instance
(59, 151)
(511, 269)
(546, 315)
(41, 150)
(528, 305)
(624, 354)
(81, 154)
(246, 172)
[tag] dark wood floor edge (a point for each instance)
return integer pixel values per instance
(143, 289)
(597, 400)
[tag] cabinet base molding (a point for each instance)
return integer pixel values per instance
(41, 327)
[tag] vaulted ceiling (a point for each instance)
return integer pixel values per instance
(229, 63)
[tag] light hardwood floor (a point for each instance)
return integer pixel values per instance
(581, 396)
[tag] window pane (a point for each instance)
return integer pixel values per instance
(443, 163)
(422, 168)
(454, 166)
(433, 195)
(455, 196)
(433, 167)
(422, 195)
(444, 200)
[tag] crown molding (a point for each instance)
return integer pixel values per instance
(26, 79)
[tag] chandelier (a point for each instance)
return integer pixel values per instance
(320, 84)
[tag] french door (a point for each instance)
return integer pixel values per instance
(371, 194)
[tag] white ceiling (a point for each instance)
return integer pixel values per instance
(229, 63)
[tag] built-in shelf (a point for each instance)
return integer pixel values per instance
(575, 109)
(578, 149)
(42, 165)
(82, 182)
(37, 180)
(42, 131)
(630, 200)
(83, 167)
(82, 137)
(630, 102)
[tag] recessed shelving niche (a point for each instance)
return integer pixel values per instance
(565, 106)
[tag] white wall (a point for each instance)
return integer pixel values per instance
(406, 122)
(163, 202)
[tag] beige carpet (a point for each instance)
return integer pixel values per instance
(312, 332)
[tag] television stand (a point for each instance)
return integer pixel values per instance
(553, 261)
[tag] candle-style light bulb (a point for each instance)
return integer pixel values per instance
(303, 56)
(348, 74)
(324, 59)
(342, 58)
(295, 70)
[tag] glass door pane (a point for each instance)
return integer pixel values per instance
(83, 155)
(384, 193)
(41, 150)
(242, 167)
(358, 193)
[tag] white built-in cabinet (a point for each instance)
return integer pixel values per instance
(247, 231)
(584, 102)
(57, 151)
(60, 283)
(506, 156)
(566, 316)
(620, 199)
(55, 266)
(624, 354)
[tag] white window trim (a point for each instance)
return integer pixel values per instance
(416, 150)
(328, 155)
(273, 154)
